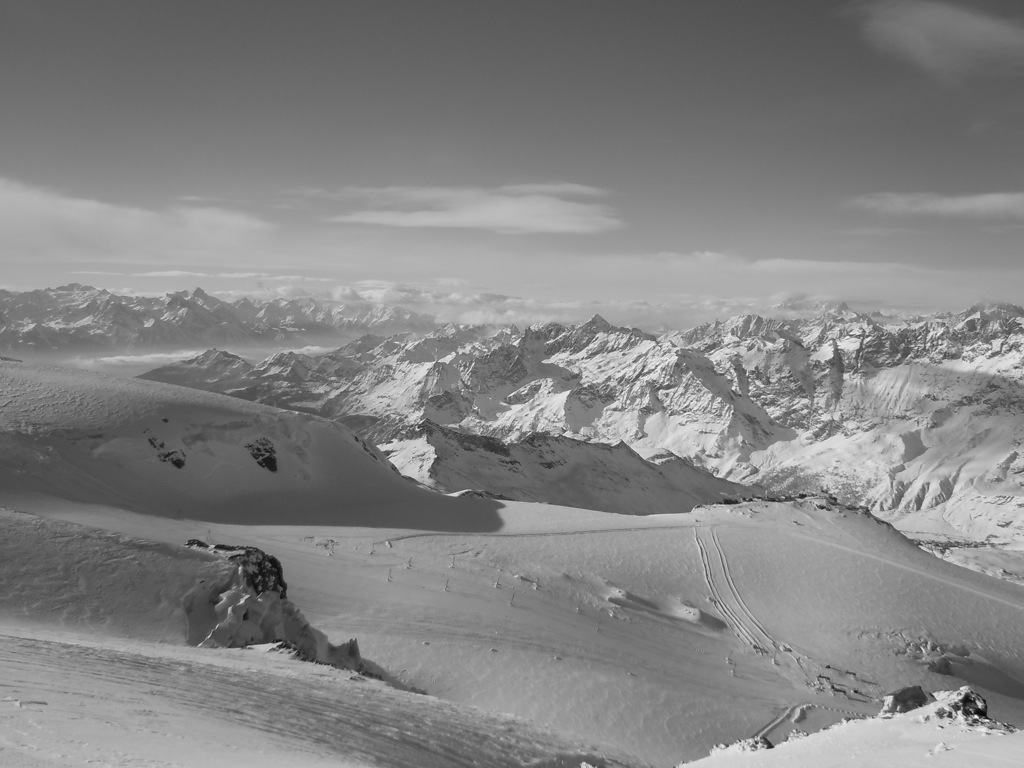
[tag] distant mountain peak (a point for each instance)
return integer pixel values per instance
(75, 317)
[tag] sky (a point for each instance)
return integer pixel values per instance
(659, 162)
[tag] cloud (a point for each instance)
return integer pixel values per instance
(945, 40)
(514, 209)
(132, 363)
(217, 275)
(994, 205)
(186, 273)
(680, 290)
(37, 222)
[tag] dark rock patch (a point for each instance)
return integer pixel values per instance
(905, 699)
(174, 456)
(262, 450)
(262, 572)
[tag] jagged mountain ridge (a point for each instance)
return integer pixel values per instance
(79, 318)
(921, 414)
(557, 470)
(907, 416)
(591, 381)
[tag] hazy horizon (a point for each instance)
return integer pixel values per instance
(506, 162)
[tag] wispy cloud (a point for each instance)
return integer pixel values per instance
(187, 273)
(514, 209)
(945, 40)
(166, 273)
(995, 205)
(42, 222)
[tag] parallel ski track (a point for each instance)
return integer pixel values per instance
(763, 641)
(732, 617)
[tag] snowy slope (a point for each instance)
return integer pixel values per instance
(659, 636)
(168, 450)
(921, 738)
(92, 627)
(557, 470)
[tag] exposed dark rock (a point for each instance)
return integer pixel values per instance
(174, 456)
(262, 450)
(753, 744)
(904, 700)
(965, 705)
(263, 572)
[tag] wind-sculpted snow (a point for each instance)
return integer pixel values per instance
(81, 702)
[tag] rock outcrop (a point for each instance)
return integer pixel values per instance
(251, 608)
(904, 700)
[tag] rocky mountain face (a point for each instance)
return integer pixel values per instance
(77, 318)
(557, 470)
(608, 410)
(591, 382)
(920, 419)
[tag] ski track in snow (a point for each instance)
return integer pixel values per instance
(751, 632)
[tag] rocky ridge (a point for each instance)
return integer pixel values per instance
(252, 608)
(557, 470)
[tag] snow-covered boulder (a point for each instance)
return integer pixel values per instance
(964, 705)
(753, 744)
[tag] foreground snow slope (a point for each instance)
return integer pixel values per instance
(660, 635)
(76, 701)
(921, 738)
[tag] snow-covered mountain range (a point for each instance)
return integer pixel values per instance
(77, 319)
(920, 419)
